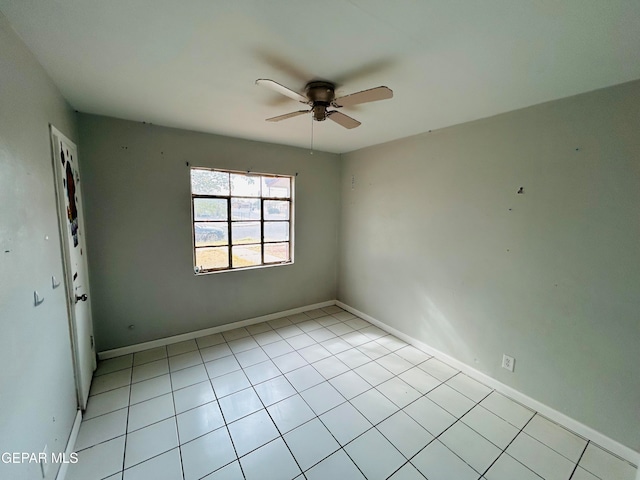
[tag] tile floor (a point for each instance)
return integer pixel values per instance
(317, 395)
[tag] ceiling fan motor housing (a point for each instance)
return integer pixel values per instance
(320, 95)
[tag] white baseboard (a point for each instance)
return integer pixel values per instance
(62, 471)
(138, 347)
(600, 439)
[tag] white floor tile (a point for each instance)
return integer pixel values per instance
(110, 381)
(337, 466)
(321, 334)
(322, 397)
(374, 406)
(240, 404)
(267, 338)
(313, 353)
(149, 355)
(405, 433)
(412, 354)
(391, 342)
(150, 441)
(210, 340)
(438, 369)
(399, 392)
(606, 466)
(316, 313)
(193, 396)
(251, 357)
(98, 462)
(430, 415)
(188, 376)
(300, 341)
(222, 366)
(304, 378)
(469, 387)
(150, 370)
(290, 413)
(274, 390)
(345, 423)
(278, 348)
(252, 432)
(353, 358)
(505, 408)
(490, 426)
(507, 468)
(258, 328)
(452, 401)
(113, 365)
(184, 360)
(309, 325)
(107, 402)
(330, 367)
(230, 383)
(407, 472)
(167, 466)
(101, 429)
(469, 445)
(540, 458)
(340, 328)
(242, 344)
(350, 384)
(228, 472)
(373, 373)
(207, 454)
(374, 455)
(280, 322)
(357, 323)
(582, 474)
(235, 334)
(311, 443)
(262, 371)
(343, 316)
(150, 411)
(394, 363)
(272, 461)
(437, 462)
(356, 338)
(556, 437)
(289, 361)
(289, 331)
(420, 380)
(336, 345)
(375, 333)
(215, 352)
(373, 350)
(198, 421)
(327, 320)
(148, 389)
(332, 309)
(182, 347)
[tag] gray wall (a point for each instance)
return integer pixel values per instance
(138, 211)
(37, 390)
(436, 242)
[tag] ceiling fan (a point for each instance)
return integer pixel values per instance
(320, 95)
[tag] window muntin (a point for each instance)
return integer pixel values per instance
(240, 220)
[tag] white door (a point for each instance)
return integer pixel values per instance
(71, 220)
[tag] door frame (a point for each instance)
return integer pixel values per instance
(81, 394)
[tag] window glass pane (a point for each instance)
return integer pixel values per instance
(246, 256)
(209, 209)
(245, 232)
(276, 252)
(276, 210)
(276, 187)
(212, 258)
(245, 209)
(211, 233)
(245, 185)
(208, 182)
(276, 231)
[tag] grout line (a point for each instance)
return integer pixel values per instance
(578, 462)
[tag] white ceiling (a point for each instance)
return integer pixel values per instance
(192, 63)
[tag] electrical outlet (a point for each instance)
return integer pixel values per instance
(508, 362)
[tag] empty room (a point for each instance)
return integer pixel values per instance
(351, 239)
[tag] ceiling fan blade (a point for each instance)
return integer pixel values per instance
(371, 95)
(287, 115)
(341, 119)
(282, 90)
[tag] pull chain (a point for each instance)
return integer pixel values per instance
(311, 151)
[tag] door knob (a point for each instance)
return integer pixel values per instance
(82, 298)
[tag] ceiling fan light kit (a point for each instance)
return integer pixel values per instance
(320, 95)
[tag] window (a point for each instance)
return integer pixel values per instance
(240, 220)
